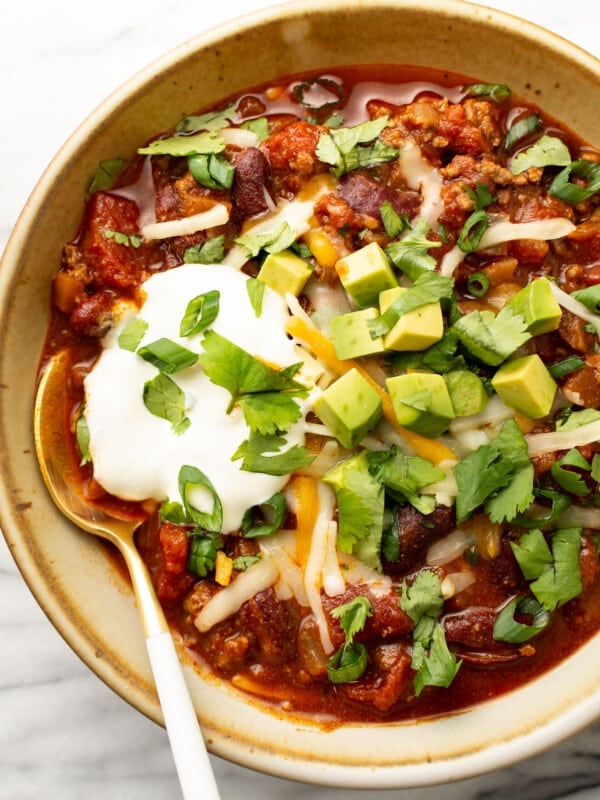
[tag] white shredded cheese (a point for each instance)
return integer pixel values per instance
(313, 573)
(538, 443)
(228, 601)
(355, 571)
(575, 307)
(420, 175)
(333, 580)
(212, 218)
(450, 547)
(541, 229)
(281, 548)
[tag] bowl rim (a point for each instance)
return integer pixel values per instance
(570, 721)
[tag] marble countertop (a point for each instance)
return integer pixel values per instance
(64, 734)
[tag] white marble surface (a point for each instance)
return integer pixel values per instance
(63, 734)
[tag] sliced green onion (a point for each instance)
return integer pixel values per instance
(559, 504)
(478, 284)
(203, 554)
(189, 478)
(105, 174)
(562, 188)
(275, 508)
(506, 627)
(168, 356)
(318, 93)
(348, 663)
(200, 312)
(590, 297)
(565, 367)
(472, 231)
(521, 129)
(213, 171)
(82, 436)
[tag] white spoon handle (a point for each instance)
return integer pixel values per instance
(189, 750)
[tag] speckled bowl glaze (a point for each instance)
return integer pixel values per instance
(77, 585)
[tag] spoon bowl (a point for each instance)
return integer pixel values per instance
(56, 465)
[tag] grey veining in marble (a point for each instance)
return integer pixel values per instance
(63, 734)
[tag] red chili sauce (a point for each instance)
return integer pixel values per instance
(271, 647)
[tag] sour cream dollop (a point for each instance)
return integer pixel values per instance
(137, 455)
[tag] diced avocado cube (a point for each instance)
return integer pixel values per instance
(421, 402)
(467, 392)
(416, 330)
(526, 385)
(285, 272)
(350, 407)
(351, 336)
(538, 305)
(365, 274)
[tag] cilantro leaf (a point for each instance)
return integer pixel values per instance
(211, 121)
(490, 337)
(495, 91)
(212, 251)
(273, 241)
(411, 253)
(555, 573)
(406, 475)
(360, 501)
(234, 369)
(393, 223)
(207, 142)
(254, 454)
(270, 412)
(164, 398)
(422, 601)
(340, 147)
(350, 661)
(429, 287)
(498, 474)
(548, 151)
(353, 616)
(107, 171)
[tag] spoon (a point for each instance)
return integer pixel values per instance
(50, 421)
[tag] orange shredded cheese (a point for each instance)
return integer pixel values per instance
(307, 509)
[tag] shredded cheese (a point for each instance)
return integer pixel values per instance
(212, 218)
(575, 307)
(228, 601)
(313, 573)
(539, 443)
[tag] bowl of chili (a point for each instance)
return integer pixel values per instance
(378, 554)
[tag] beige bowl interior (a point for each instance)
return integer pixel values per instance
(75, 583)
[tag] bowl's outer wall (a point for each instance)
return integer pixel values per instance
(74, 582)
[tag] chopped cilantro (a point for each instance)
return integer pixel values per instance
(554, 571)
(227, 365)
(126, 239)
(211, 121)
(256, 293)
(495, 91)
(548, 151)
(499, 475)
(273, 241)
(360, 501)
(350, 661)
(212, 251)
(567, 479)
(410, 254)
(243, 562)
(164, 398)
(393, 223)
(590, 297)
(259, 126)
(490, 337)
(341, 147)
(203, 552)
(107, 171)
(433, 662)
(255, 454)
(406, 476)
(206, 142)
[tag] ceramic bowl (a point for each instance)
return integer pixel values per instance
(77, 585)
